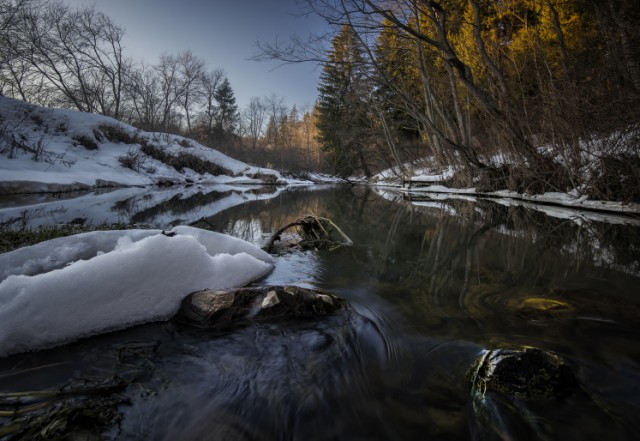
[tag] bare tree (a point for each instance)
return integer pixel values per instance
(253, 117)
(143, 96)
(63, 56)
(210, 82)
(169, 82)
(192, 71)
(276, 110)
(11, 74)
(99, 45)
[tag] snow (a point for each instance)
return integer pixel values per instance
(69, 288)
(64, 164)
(568, 212)
(570, 199)
(557, 205)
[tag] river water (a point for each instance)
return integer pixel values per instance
(431, 284)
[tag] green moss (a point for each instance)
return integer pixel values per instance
(11, 239)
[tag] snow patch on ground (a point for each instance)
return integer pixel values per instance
(48, 150)
(68, 288)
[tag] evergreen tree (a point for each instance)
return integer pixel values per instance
(398, 95)
(227, 116)
(343, 117)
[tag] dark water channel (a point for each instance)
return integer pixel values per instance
(430, 286)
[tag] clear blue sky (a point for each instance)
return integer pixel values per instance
(223, 33)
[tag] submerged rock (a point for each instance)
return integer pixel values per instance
(218, 308)
(540, 308)
(527, 374)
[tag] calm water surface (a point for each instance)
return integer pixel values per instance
(431, 284)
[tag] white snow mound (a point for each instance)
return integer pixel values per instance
(68, 288)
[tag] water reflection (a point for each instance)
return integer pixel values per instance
(158, 207)
(430, 283)
(480, 273)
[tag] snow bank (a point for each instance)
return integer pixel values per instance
(68, 288)
(63, 150)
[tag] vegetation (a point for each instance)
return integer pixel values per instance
(312, 232)
(527, 95)
(520, 94)
(55, 55)
(12, 239)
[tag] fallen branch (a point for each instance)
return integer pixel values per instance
(314, 231)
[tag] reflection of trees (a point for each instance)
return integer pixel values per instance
(251, 220)
(475, 269)
(180, 205)
(483, 257)
(129, 209)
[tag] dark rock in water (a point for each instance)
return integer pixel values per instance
(528, 374)
(215, 308)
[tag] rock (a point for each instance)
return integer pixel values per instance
(527, 374)
(217, 309)
(539, 308)
(267, 178)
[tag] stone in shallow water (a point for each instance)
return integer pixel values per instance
(216, 308)
(527, 374)
(539, 308)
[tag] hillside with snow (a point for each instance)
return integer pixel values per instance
(51, 150)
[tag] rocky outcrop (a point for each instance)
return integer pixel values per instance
(218, 309)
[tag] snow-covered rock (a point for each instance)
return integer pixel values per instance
(68, 288)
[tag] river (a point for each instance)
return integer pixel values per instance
(431, 284)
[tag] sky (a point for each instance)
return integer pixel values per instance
(223, 33)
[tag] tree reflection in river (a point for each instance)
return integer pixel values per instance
(486, 274)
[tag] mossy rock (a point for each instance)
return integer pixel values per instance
(539, 308)
(220, 308)
(526, 374)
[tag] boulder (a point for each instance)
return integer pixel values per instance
(526, 374)
(220, 308)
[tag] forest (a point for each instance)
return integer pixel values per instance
(530, 96)
(55, 55)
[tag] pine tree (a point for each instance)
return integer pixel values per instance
(227, 115)
(343, 117)
(398, 91)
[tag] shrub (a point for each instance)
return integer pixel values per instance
(616, 179)
(86, 142)
(62, 127)
(134, 160)
(117, 135)
(183, 160)
(37, 119)
(544, 176)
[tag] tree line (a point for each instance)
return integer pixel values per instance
(55, 55)
(530, 95)
(524, 94)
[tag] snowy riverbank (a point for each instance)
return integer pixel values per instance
(55, 150)
(423, 181)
